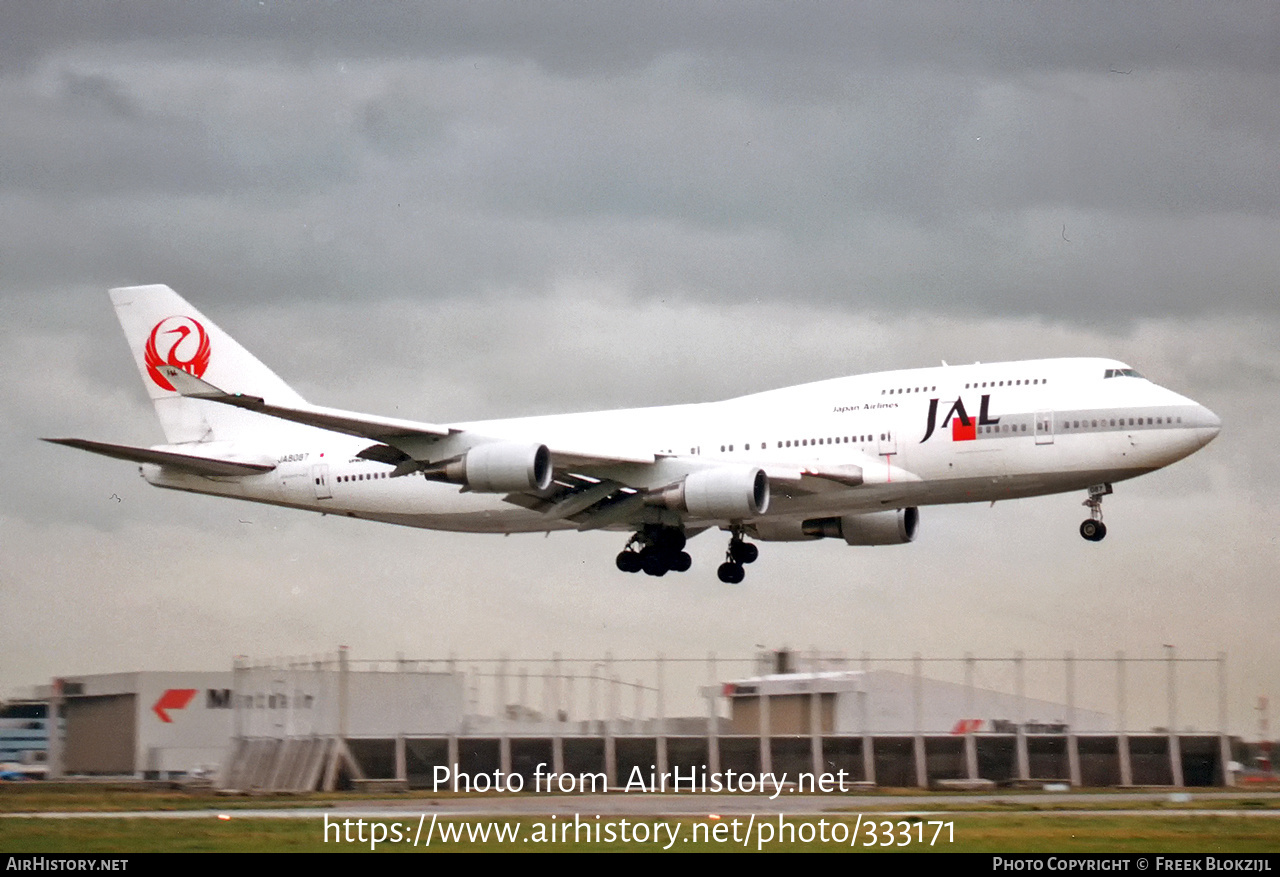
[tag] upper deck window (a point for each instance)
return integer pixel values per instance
(1121, 373)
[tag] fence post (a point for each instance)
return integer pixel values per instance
(1175, 747)
(970, 729)
(1073, 740)
(1224, 740)
(1122, 722)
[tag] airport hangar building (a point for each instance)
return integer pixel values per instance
(304, 725)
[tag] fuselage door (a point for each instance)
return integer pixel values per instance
(888, 442)
(1044, 427)
(320, 479)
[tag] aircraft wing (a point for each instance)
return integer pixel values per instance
(383, 429)
(591, 488)
(186, 462)
(404, 436)
(578, 458)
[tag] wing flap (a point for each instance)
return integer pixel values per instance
(582, 500)
(172, 459)
(614, 512)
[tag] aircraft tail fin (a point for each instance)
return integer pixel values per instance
(162, 328)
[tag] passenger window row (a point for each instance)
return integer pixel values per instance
(1005, 428)
(975, 385)
(1016, 383)
(1104, 422)
(366, 476)
(907, 390)
(804, 443)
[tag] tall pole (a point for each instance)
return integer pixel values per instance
(868, 741)
(660, 706)
(713, 717)
(970, 729)
(1073, 741)
(1175, 750)
(1224, 739)
(1122, 724)
(1024, 761)
(917, 721)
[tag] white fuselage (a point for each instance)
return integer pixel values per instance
(948, 434)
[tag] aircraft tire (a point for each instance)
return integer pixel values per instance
(680, 561)
(1093, 530)
(628, 561)
(653, 563)
(731, 573)
(744, 552)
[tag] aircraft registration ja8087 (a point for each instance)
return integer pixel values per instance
(850, 458)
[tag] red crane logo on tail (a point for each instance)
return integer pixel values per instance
(185, 344)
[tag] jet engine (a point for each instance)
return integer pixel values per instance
(874, 528)
(729, 492)
(497, 467)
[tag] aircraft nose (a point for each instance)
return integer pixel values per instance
(1208, 425)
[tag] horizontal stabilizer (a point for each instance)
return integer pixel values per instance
(185, 462)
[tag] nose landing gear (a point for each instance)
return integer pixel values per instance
(1093, 529)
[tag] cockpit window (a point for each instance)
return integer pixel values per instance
(1122, 373)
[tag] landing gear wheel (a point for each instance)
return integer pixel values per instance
(656, 551)
(731, 573)
(628, 561)
(1094, 531)
(653, 562)
(743, 552)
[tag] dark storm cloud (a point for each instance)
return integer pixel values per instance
(87, 136)
(1083, 160)
(587, 38)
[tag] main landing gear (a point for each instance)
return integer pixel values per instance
(657, 551)
(1093, 529)
(739, 553)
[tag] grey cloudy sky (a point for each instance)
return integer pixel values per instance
(452, 211)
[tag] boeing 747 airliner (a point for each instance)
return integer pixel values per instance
(850, 458)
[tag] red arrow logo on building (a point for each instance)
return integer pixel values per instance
(173, 699)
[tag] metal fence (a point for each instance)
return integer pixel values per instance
(668, 695)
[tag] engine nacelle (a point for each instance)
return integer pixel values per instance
(729, 492)
(781, 530)
(895, 527)
(497, 467)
